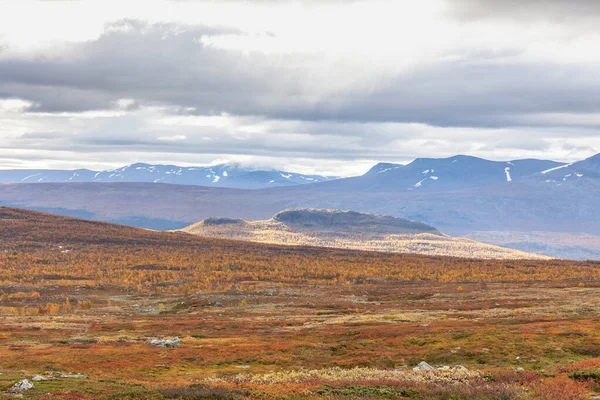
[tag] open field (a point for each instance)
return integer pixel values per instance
(272, 322)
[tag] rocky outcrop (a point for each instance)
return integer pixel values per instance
(167, 342)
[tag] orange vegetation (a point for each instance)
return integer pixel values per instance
(272, 322)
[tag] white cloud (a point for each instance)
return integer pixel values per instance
(174, 138)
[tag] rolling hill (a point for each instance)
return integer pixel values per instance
(350, 230)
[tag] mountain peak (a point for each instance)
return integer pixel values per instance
(383, 167)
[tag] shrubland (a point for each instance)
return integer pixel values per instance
(262, 321)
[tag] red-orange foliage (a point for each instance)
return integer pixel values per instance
(42, 248)
(561, 388)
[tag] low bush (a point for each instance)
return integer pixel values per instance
(202, 392)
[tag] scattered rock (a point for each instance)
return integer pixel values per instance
(21, 386)
(243, 366)
(167, 342)
(423, 366)
(73, 376)
(38, 378)
(520, 369)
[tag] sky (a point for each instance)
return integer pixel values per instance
(313, 86)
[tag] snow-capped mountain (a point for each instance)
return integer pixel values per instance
(224, 175)
(575, 173)
(383, 167)
(453, 173)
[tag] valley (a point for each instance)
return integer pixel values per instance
(572, 246)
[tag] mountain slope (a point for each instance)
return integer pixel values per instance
(578, 173)
(350, 230)
(224, 175)
(441, 174)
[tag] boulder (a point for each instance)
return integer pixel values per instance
(423, 366)
(73, 376)
(21, 386)
(38, 378)
(167, 342)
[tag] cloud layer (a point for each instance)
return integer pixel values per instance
(367, 81)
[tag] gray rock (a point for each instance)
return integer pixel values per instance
(38, 378)
(21, 386)
(423, 366)
(167, 342)
(73, 376)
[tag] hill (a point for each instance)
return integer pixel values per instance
(350, 230)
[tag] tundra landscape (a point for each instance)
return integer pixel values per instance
(299, 199)
(90, 310)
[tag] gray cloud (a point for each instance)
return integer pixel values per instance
(167, 64)
(306, 105)
(565, 11)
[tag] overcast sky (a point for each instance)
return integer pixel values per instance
(323, 86)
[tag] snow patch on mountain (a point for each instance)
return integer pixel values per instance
(556, 168)
(507, 172)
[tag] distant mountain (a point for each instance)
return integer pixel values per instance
(350, 230)
(542, 201)
(580, 172)
(224, 175)
(435, 174)
(383, 167)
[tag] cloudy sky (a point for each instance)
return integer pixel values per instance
(325, 86)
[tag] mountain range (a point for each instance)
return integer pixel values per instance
(457, 195)
(222, 175)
